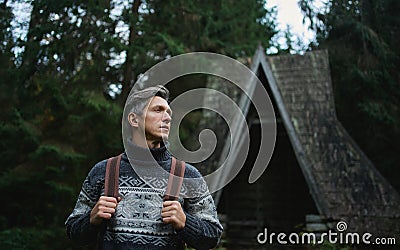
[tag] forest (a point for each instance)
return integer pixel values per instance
(66, 68)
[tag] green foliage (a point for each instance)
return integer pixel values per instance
(229, 27)
(33, 238)
(60, 111)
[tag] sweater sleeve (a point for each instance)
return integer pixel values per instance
(78, 224)
(203, 229)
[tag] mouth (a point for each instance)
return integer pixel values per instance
(165, 128)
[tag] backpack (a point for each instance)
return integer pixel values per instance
(175, 178)
(111, 184)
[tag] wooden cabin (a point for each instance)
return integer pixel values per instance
(317, 176)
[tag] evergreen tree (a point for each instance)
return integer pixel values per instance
(61, 95)
(58, 121)
(161, 29)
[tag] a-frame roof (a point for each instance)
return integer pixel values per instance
(343, 182)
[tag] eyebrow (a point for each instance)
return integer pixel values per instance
(169, 111)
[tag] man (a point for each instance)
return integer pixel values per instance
(139, 218)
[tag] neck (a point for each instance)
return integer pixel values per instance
(136, 152)
(144, 143)
(153, 144)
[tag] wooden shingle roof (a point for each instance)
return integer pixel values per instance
(343, 182)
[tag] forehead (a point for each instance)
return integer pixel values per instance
(157, 101)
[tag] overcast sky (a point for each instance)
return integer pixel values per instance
(289, 13)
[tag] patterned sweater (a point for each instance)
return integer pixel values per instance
(137, 222)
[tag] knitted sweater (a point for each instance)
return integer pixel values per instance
(137, 222)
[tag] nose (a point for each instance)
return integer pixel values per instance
(167, 117)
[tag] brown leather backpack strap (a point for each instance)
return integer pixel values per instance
(111, 185)
(175, 179)
(111, 178)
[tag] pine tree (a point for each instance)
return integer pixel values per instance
(61, 95)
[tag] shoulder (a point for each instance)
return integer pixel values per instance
(194, 185)
(99, 167)
(191, 172)
(97, 172)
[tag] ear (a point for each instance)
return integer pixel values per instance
(133, 120)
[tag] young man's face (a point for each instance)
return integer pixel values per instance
(156, 120)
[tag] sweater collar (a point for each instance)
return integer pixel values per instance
(138, 153)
